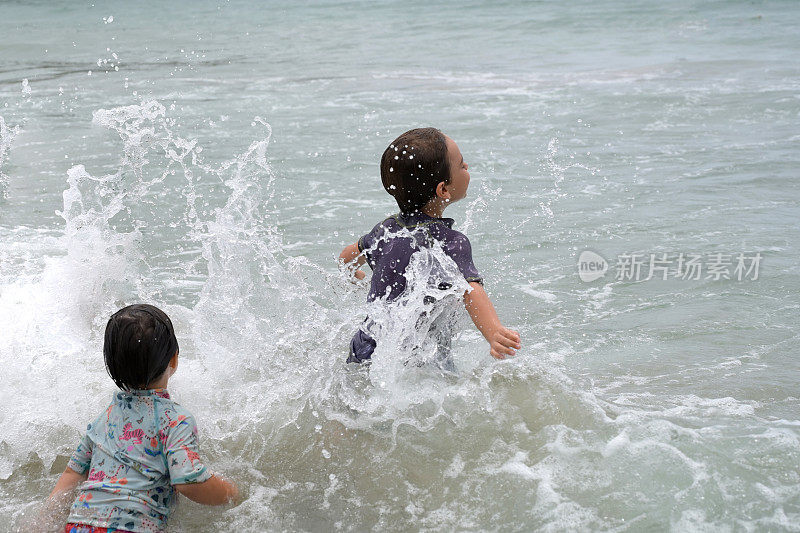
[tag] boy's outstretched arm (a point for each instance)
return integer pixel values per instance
(213, 491)
(352, 259)
(502, 340)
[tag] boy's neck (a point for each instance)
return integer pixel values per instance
(434, 208)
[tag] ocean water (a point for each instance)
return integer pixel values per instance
(214, 158)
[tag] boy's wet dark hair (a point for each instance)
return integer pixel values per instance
(139, 344)
(413, 165)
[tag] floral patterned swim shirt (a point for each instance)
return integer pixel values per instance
(133, 453)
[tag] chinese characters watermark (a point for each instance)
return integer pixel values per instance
(685, 266)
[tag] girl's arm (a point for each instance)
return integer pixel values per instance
(502, 340)
(213, 491)
(352, 259)
(66, 484)
(54, 510)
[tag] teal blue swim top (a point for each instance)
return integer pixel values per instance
(133, 453)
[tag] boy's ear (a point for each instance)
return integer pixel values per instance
(442, 192)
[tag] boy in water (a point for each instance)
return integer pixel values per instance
(424, 171)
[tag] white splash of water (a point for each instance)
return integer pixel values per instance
(263, 339)
(7, 135)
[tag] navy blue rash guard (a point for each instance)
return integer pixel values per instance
(388, 254)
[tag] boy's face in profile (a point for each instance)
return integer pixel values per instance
(459, 177)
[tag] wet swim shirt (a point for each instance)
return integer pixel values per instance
(133, 453)
(388, 250)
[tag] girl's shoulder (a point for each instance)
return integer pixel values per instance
(171, 414)
(100, 422)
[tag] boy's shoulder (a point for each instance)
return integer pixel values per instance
(367, 240)
(440, 228)
(443, 231)
(391, 222)
(453, 241)
(399, 221)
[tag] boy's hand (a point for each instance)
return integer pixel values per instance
(351, 259)
(502, 342)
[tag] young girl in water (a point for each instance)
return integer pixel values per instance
(424, 171)
(142, 449)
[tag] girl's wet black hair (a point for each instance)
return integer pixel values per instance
(139, 343)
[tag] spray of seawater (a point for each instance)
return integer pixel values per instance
(315, 445)
(7, 135)
(263, 343)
